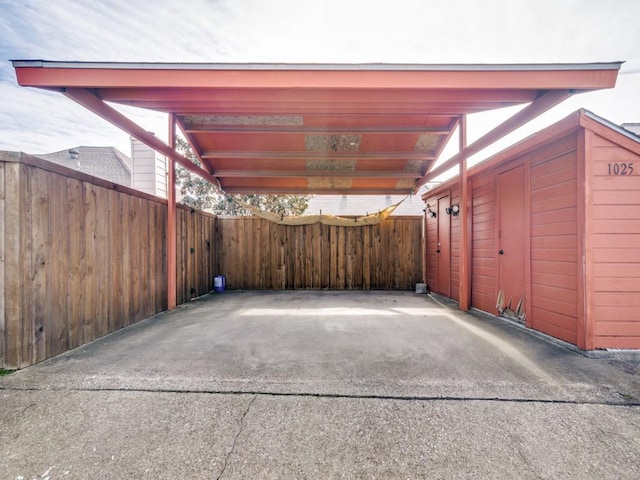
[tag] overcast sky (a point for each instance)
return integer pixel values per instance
(393, 31)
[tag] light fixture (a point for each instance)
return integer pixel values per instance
(430, 213)
(453, 210)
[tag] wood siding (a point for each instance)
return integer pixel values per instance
(431, 245)
(554, 241)
(254, 253)
(552, 206)
(483, 245)
(455, 247)
(431, 242)
(81, 257)
(614, 246)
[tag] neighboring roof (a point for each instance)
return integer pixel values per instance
(313, 128)
(359, 205)
(632, 127)
(107, 163)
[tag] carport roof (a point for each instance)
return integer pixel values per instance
(314, 128)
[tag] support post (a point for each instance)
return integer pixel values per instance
(465, 240)
(171, 219)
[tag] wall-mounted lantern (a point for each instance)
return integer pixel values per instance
(453, 210)
(430, 213)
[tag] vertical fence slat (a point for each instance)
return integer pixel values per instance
(13, 265)
(26, 355)
(115, 262)
(39, 263)
(59, 266)
(89, 281)
(2, 267)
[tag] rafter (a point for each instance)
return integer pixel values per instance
(311, 173)
(318, 191)
(326, 130)
(302, 155)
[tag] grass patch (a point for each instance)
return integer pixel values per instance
(4, 372)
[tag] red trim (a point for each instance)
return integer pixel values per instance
(465, 240)
(172, 267)
(534, 79)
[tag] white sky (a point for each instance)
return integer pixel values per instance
(393, 31)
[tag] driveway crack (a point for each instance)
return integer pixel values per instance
(235, 440)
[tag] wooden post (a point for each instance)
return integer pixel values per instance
(465, 270)
(171, 219)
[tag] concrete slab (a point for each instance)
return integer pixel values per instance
(321, 385)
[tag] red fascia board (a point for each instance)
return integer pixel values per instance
(534, 79)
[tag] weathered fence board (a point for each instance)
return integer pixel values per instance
(256, 254)
(81, 257)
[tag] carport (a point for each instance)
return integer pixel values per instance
(295, 384)
(276, 128)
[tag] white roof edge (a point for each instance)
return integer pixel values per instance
(318, 66)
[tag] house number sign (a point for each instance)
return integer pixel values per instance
(620, 168)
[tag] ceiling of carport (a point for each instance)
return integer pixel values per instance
(258, 128)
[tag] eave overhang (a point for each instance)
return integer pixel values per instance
(314, 128)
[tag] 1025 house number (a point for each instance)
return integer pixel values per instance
(620, 168)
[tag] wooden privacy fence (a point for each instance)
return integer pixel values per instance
(81, 257)
(256, 254)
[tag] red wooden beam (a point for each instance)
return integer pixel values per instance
(465, 240)
(318, 191)
(317, 130)
(587, 76)
(88, 100)
(303, 155)
(535, 108)
(172, 251)
(314, 173)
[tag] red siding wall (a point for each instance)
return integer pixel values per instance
(483, 252)
(584, 225)
(554, 227)
(614, 211)
(431, 240)
(455, 247)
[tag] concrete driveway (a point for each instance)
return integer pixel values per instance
(321, 385)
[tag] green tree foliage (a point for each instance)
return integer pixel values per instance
(200, 194)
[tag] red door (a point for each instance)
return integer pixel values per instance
(443, 248)
(511, 241)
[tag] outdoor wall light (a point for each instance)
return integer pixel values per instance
(453, 210)
(430, 213)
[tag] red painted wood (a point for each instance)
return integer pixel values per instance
(171, 222)
(464, 249)
(483, 248)
(443, 247)
(614, 263)
(511, 231)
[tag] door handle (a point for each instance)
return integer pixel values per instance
(501, 252)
